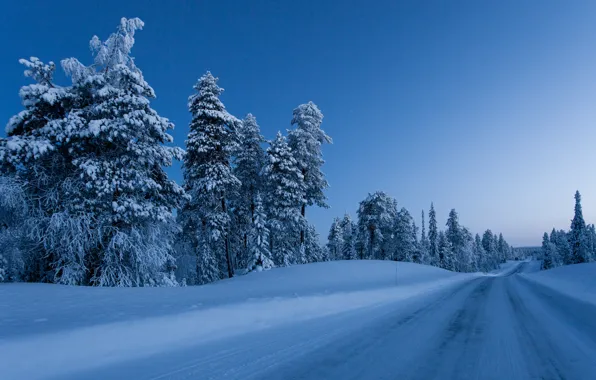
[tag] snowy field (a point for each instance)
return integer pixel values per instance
(55, 324)
(332, 320)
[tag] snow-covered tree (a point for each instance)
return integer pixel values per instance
(349, 234)
(404, 238)
(591, 241)
(117, 145)
(260, 257)
(249, 160)
(445, 251)
(313, 251)
(548, 250)
(480, 255)
(503, 249)
(96, 158)
(306, 141)
(433, 249)
(424, 243)
(33, 158)
(208, 177)
(560, 239)
(335, 240)
(577, 234)
(13, 214)
(284, 195)
(376, 218)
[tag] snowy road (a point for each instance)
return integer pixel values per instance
(500, 327)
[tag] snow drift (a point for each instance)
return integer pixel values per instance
(577, 281)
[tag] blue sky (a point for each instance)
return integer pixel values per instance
(487, 107)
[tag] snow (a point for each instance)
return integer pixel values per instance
(577, 281)
(94, 327)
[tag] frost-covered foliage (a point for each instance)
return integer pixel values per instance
(335, 240)
(284, 196)
(578, 238)
(548, 251)
(208, 178)
(376, 220)
(260, 256)
(384, 233)
(91, 157)
(249, 160)
(404, 244)
(573, 247)
(349, 230)
(306, 141)
(313, 251)
(13, 212)
(433, 249)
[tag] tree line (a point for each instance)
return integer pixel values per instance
(576, 246)
(85, 199)
(383, 231)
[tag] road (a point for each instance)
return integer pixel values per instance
(500, 327)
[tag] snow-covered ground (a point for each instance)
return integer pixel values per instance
(68, 329)
(577, 281)
(337, 320)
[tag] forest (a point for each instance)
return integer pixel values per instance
(85, 199)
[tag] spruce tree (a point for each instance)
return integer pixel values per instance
(577, 234)
(480, 255)
(547, 251)
(376, 223)
(348, 248)
(306, 141)
(285, 193)
(106, 217)
(335, 240)
(249, 159)
(260, 256)
(208, 176)
(32, 156)
(432, 237)
(404, 238)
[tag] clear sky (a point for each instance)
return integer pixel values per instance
(488, 107)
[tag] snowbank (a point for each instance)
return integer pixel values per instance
(38, 308)
(73, 328)
(577, 281)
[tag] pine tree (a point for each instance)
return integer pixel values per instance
(104, 215)
(547, 251)
(33, 157)
(249, 162)
(445, 252)
(335, 240)
(348, 248)
(432, 237)
(120, 144)
(306, 141)
(488, 243)
(577, 234)
(456, 241)
(376, 219)
(285, 193)
(260, 257)
(424, 244)
(404, 240)
(313, 250)
(480, 255)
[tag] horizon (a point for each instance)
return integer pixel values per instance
(484, 110)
